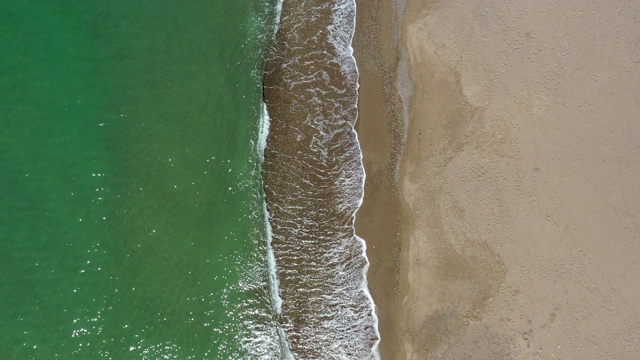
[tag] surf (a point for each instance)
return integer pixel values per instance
(314, 183)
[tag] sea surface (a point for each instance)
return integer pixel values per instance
(132, 218)
(179, 180)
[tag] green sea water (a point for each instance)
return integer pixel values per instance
(131, 204)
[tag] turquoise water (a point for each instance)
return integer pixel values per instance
(131, 204)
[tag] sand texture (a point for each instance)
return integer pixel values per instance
(516, 206)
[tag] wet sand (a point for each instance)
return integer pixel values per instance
(380, 132)
(507, 225)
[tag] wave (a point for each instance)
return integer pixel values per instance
(314, 184)
(285, 352)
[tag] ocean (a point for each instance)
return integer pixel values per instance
(134, 169)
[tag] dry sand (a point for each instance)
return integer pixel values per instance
(512, 228)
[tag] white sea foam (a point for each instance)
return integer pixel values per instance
(271, 260)
(263, 133)
(338, 312)
(273, 278)
(278, 14)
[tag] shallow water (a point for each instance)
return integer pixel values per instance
(314, 183)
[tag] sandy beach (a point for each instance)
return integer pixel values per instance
(502, 202)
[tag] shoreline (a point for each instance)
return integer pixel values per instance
(512, 221)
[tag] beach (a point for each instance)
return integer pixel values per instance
(501, 207)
